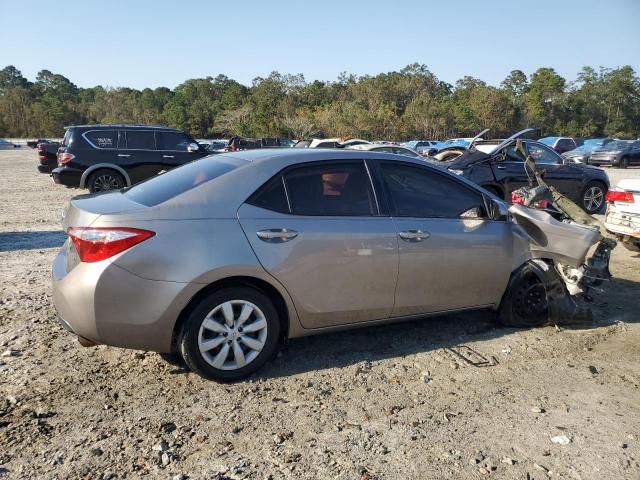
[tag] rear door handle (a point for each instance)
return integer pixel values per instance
(501, 167)
(414, 235)
(276, 235)
(168, 156)
(123, 155)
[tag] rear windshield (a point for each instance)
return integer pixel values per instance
(165, 186)
(67, 137)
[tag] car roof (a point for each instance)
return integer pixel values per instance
(280, 158)
(125, 125)
(372, 146)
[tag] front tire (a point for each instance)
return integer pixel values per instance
(104, 180)
(524, 303)
(592, 197)
(624, 162)
(230, 334)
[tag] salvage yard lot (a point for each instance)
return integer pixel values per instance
(397, 401)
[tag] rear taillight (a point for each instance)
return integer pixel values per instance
(95, 244)
(65, 158)
(619, 195)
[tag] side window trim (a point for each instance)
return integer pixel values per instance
(286, 193)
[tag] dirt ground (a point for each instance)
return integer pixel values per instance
(389, 402)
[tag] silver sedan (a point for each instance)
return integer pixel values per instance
(221, 259)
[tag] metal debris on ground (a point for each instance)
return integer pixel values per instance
(470, 356)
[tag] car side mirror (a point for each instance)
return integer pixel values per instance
(193, 147)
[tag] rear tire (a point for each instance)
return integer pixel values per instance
(524, 303)
(592, 197)
(104, 180)
(230, 334)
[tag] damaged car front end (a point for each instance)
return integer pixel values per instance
(568, 257)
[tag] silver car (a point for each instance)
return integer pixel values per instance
(222, 258)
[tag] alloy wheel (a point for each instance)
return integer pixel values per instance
(593, 198)
(105, 182)
(232, 335)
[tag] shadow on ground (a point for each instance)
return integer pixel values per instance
(398, 340)
(12, 241)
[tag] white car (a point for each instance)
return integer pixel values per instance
(623, 213)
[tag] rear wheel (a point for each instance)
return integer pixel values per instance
(525, 302)
(230, 334)
(105, 179)
(592, 197)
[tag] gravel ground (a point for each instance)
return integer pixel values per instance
(388, 402)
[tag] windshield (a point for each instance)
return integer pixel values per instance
(594, 142)
(548, 140)
(616, 145)
(163, 187)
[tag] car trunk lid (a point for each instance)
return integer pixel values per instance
(84, 210)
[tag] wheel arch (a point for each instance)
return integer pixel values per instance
(279, 302)
(98, 166)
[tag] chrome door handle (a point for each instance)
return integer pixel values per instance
(168, 156)
(414, 235)
(501, 167)
(276, 235)
(123, 155)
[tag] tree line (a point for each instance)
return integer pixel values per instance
(399, 105)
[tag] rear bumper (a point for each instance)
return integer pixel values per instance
(69, 177)
(44, 168)
(105, 304)
(622, 223)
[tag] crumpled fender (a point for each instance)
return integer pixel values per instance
(566, 243)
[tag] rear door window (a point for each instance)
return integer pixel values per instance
(102, 138)
(141, 140)
(420, 193)
(331, 189)
(174, 141)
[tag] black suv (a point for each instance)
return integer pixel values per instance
(108, 157)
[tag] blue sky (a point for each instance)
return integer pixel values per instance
(149, 43)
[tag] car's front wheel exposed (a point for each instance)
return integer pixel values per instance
(525, 302)
(230, 334)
